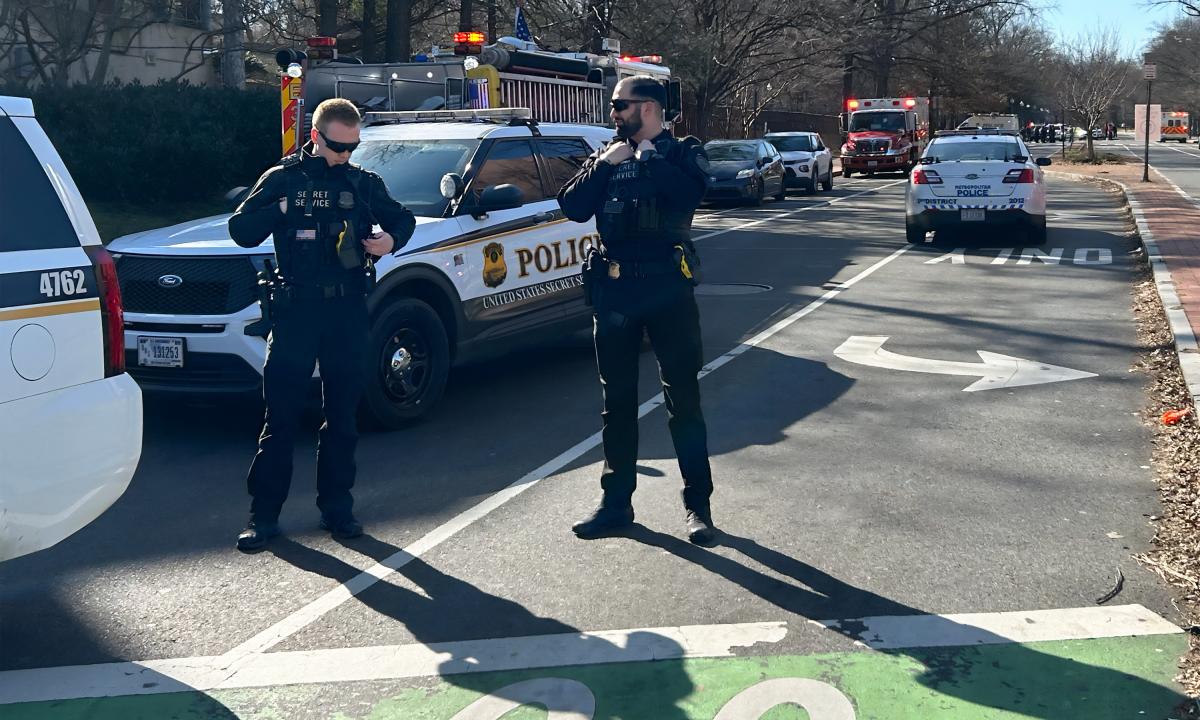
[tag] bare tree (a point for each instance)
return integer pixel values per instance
(233, 45)
(1092, 74)
(1191, 7)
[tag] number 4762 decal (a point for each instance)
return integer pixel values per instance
(63, 282)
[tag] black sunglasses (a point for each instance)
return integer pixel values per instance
(338, 147)
(623, 105)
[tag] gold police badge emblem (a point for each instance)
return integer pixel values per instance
(494, 268)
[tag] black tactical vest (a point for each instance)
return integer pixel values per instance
(633, 223)
(326, 222)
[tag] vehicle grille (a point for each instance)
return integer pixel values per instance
(211, 286)
(871, 146)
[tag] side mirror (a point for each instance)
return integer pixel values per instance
(499, 197)
(234, 197)
(452, 186)
(1042, 161)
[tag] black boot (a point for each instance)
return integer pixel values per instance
(700, 528)
(346, 528)
(257, 534)
(603, 520)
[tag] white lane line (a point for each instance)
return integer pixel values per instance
(389, 662)
(718, 213)
(392, 662)
(806, 208)
(308, 614)
(898, 631)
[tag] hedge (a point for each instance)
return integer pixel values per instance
(143, 144)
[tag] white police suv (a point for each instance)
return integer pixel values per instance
(492, 263)
(807, 162)
(976, 178)
(70, 417)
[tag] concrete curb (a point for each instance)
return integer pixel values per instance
(1186, 346)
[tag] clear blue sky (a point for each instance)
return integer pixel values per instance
(1134, 19)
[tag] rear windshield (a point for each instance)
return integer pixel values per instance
(32, 213)
(974, 150)
(793, 143)
(729, 152)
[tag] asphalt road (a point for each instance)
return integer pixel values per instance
(846, 489)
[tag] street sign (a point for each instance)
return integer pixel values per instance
(1150, 70)
(994, 373)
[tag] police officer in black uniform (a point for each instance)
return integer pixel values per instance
(320, 208)
(643, 189)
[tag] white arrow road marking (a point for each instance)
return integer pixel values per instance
(995, 372)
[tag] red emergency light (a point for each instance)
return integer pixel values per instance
(651, 59)
(852, 104)
(321, 41)
(471, 37)
(910, 103)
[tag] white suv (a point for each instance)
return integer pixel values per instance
(806, 161)
(70, 417)
(487, 266)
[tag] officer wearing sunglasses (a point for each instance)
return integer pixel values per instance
(643, 189)
(319, 208)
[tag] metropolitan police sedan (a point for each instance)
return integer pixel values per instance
(976, 179)
(492, 264)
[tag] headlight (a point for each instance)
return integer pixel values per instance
(743, 174)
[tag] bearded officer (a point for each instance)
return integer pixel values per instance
(643, 189)
(319, 207)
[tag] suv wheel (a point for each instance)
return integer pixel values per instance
(409, 363)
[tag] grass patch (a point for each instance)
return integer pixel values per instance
(1078, 156)
(114, 219)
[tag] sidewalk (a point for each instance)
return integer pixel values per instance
(1168, 222)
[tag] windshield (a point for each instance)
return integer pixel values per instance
(802, 143)
(729, 152)
(879, 121)
(413, 169)
(948, 151)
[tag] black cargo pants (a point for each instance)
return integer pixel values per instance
(332, 333)
(663, 306)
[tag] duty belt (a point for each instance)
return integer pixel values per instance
(640, 268)
(325, 292)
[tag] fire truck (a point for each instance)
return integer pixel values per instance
(884, 134)
(1175, 126)
(511, 73)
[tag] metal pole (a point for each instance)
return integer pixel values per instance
(1062, 122)
(1146, 161)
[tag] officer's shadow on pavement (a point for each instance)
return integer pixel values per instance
(447, 611)
(1011, 677)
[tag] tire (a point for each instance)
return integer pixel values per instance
(827, 183)
(845, 172)
(395, 398)
(811, 189)
(913, 233)
(1037, 233)
(757, 200)
(782, 194)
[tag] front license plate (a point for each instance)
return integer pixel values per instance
(872, 163)
(972, 215)
(160, 352)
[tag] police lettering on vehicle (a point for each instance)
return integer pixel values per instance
(548, 257)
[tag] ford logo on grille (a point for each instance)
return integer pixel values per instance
(170, 281)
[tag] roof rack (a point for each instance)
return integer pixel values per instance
(974, 131)
(512, 116)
